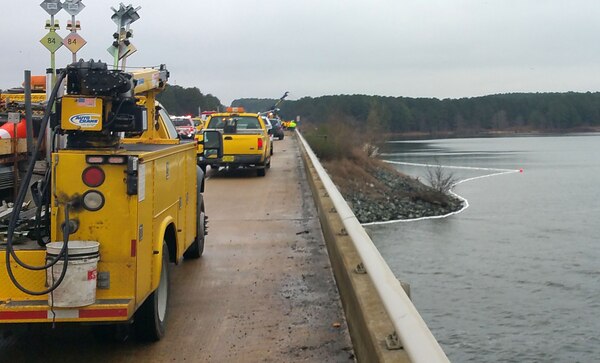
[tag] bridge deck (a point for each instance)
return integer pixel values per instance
(263, 291)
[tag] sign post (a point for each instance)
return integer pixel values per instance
(122, 48)
(73, 41)
(52, 41)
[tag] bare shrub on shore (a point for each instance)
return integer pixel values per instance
(341, 135)
(357, 172)
(440, 180)
(334, 140)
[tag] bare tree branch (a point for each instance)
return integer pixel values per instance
(440, 180)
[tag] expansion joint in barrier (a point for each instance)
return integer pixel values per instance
(392, 342)
(360, 269)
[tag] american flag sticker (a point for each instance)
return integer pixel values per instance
(92, 274)
(86, 102)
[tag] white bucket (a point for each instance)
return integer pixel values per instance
(78, 288)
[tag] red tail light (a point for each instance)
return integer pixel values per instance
(93, 176)
(260, 143)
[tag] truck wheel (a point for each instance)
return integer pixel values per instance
(281, 137)
(151, 317)
(196, 249)
(261, 171)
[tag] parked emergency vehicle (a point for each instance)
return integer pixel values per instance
(185, 126)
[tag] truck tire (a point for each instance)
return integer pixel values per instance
(261, 171)
(151, 317)
(196, 249)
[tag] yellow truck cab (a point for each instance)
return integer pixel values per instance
(198, 124)
(124, 186)
(246, 141)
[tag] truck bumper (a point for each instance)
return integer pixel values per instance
(234, 160)
(38, 311)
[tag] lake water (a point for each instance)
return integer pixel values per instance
(515, 277)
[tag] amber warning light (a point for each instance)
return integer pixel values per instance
(235, 109)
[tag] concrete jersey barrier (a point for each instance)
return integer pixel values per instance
(414, 336)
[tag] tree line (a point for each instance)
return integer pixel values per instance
(514, 111)
(187, 101)
(502, 112)
(254, 104)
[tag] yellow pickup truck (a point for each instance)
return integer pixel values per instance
(246, 141)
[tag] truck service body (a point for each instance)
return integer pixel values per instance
(130, 228)
(139, 197)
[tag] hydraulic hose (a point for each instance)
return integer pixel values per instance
(111, 121)
(18, 203)
(44, 201)
(64, 254)
(45, 205)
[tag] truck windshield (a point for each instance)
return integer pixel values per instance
(234, 123)
(168, 123)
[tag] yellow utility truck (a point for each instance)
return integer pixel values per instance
(119, 203)
(246, 141)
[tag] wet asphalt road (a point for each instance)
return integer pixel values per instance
(262, 292)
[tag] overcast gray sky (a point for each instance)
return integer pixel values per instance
(261, 48)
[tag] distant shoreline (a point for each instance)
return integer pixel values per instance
(416, 135)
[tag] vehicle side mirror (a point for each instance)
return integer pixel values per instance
(212, 140)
